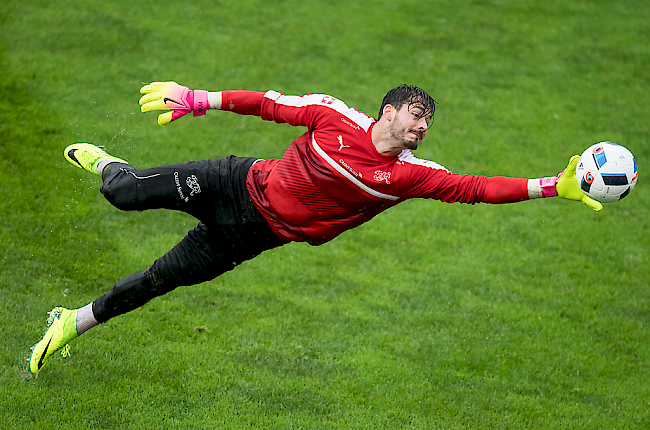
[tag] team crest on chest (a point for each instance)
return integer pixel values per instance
(382, 176)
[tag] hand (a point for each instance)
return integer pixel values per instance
(170, 95)
(567, 186)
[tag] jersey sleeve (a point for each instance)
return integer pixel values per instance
(242, 102)
(502, 189)
(445, 186)
(440, 184)
(311, 110)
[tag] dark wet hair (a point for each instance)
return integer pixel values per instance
(410, 95)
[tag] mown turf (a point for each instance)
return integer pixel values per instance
(431, 316)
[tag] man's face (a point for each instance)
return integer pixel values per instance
(410, 125)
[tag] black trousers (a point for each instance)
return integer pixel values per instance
(231, 230)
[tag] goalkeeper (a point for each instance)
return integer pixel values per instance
(345, 169)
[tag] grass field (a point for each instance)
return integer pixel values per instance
(431, 316)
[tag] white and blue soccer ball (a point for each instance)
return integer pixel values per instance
(606, 172)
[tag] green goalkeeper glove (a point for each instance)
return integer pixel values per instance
(170, 95)
(567, 186)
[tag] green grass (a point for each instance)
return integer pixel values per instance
(431, 316)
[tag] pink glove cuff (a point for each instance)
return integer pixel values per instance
(198, 99)
(548, 185)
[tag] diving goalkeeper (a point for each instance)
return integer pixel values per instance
(345, 169)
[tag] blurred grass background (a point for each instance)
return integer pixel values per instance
(431, 316)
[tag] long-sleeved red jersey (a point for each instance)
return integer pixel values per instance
(332, 178)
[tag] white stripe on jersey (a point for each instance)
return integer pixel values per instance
(347, 174)
(359, 118)
(407, 156)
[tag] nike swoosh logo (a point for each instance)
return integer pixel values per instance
(40, 362)
(167, 99)
(73, 158)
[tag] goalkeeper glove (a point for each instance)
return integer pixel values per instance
(567, 186)
(170, 95)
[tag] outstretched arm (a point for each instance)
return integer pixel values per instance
(307, 110)
(564, 185)
(440, 184)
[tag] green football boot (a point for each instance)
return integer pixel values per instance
(88, 156)
(61, 329)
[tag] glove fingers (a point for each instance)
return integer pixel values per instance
(165, 118)
(571, 167)
(149, 97)
(567, 186)
(164, 96)
(156, 104)
(155, 86)
(595, 205)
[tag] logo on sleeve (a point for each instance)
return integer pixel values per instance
(328, 100)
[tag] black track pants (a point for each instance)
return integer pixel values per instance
(231, 230)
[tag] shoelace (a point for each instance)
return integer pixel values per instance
(89, 157)
(53, 314)
(65, 352)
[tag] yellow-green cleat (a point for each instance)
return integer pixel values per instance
(61, 329)
(88, 156)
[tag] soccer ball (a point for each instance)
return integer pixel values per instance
(606, 172)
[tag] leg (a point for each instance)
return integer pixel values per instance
(232, 231)
(210, 190)
(205, 253)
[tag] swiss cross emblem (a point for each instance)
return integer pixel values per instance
(328, 100)
(382, 176)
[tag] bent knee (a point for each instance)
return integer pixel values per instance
(120, 189)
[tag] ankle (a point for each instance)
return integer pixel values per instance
(106, 168)
(85, 319)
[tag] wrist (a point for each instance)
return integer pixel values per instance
(215, 99)
(198, 100)
(540, 188)
(548, 186)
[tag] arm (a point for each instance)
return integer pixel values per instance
(239, 101)
(564, 185)
(308, 110)
(500, 189)
(180, 101)
(448, 187)
(272, 106)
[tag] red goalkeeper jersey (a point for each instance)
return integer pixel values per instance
(332, 178)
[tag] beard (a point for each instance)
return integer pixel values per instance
(401, 135)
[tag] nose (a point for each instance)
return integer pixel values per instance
(423, 124)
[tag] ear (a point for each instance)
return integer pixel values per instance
(389, 112)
